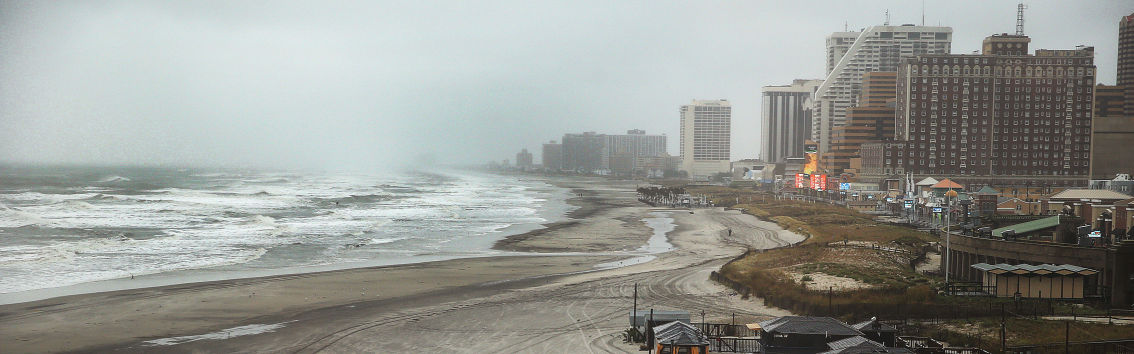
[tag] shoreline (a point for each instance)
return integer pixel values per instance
(557, 214)
(309, 312)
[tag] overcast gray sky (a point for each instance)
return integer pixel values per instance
(367, 84)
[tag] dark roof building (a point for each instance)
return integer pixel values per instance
(879, 332)
(791, 334)
(857, 345)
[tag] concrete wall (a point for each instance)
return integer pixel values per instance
(1111, 136)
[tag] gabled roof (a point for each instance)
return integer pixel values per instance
(679, 333)
(928, 181)
(868, 349)
(1077, 194)
(873, 326)
(853, 342)
(1030, 226)
(948, 184)
(1042, 269)
(987, 190)
(808, 325)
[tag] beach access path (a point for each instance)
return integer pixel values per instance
(524, 303)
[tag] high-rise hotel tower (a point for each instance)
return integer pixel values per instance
(877, 48)
(706, 133)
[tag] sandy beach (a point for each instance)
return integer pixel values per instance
(523, 303)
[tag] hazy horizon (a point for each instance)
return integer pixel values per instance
(365, 86)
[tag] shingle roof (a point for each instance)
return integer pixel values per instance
(946, 183)
(1077, 194)
(873, 326)
(853, 342)
(1030, 226)
(867, 349)
(1064, 269)
(679, 333)
(808, 325)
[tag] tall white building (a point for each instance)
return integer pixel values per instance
(706, 133)
(786, 124)
(878, 48)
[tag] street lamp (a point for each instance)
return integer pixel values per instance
(948, 211)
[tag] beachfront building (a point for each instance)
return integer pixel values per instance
(998, 117)
(803, 334)
(678, 338)
(585, 153)
(635, 152)
(706, 133)
(552, 156)
(871, 121)
(877, 48)
(785, 124)
(1045, 281)
(524, 160)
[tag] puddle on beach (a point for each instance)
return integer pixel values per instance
(662, 224)
(222, 334)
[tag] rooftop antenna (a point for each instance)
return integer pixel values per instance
(1020, 18)
(844, 26)
(923, 12)
(887, 23)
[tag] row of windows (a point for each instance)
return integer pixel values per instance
(1002, 71)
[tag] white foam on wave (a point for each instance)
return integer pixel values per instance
(12, 217)
(380, 240)
(113, 178)
(226, 224)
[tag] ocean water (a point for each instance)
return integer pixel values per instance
(63, 226)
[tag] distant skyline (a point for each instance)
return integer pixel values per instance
(363, 86)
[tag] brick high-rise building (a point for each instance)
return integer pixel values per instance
(1126, 51)
(871, 121)
(998, 117)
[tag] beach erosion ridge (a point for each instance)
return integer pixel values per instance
(564, 286)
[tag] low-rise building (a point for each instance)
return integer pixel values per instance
(1045, 281)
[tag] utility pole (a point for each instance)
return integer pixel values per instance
(635, 324)
(1067, 338)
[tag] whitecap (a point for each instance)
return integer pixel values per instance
(113, 178)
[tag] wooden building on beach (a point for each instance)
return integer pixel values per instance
(1045, 281)
(678, 338)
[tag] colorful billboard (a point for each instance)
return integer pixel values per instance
(819, 182)
(811, 152)
(799, 180)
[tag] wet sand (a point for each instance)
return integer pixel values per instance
(497, 304)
